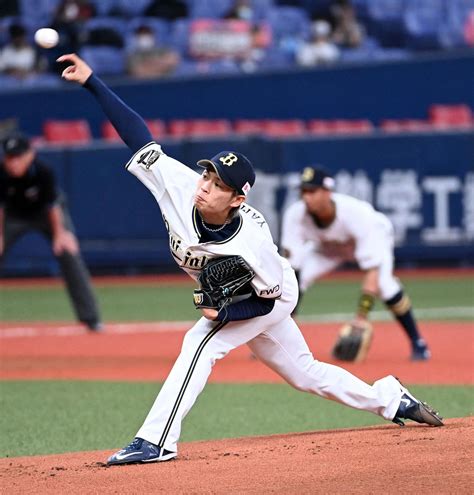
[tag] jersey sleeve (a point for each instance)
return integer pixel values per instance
(293, 241)
(160, 173)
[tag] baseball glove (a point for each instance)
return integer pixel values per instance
(220, 280)
(353, 342)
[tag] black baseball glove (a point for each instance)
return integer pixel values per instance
(220, 280)
(353, 342)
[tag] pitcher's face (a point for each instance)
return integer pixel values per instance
(213, 196)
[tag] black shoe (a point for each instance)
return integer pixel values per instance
(140, 451)
(412, 408)
(94, 326)
(420, 351)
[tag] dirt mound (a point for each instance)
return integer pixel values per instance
(385, 459)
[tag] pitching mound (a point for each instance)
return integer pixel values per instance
(385, 459)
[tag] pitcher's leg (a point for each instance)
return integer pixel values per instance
(284, 350)
(185, 382)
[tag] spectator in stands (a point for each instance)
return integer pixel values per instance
(242, 10)
(146, 59)
(30, 200)
(19, 58)
(347, 31)
(320, 49)
(261, 41)
(167, 9)
(69, 19)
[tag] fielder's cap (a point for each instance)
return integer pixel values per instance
(234, 169)
(312, 178)
(16, 145)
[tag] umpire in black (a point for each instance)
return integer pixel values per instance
(30, 200)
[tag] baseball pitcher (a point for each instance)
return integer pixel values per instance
(246, 290)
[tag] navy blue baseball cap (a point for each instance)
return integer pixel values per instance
(312, 178)
(16, 144)
(233, 168)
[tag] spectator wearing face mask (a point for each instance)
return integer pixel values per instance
(19, 58)
(148, 59)
(241, 10)
(320, 49)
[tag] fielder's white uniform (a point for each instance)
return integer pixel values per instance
(358, 233)
(274, 338)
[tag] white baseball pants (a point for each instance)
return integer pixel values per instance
(277, 341)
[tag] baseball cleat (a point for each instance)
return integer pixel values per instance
(420, 351)
(412, 408)
(138, 451)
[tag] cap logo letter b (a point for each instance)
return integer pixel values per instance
(228, 160)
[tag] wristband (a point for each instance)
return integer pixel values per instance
(366, 303)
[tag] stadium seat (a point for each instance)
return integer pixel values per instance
(157, 128)
(386, 21)
(199, 127)
(405, 125)
(340, 126)
(451, 116)
(422, 21)
(209, 9)
(104, 60)
(67, 131)
(287, 21)
(284, 128)
(247, 126)
(318, 127)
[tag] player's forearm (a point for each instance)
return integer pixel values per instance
(369, 290)
(248, 308)
(56, 220)
(130, 126)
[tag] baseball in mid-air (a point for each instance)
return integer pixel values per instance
(47, 37)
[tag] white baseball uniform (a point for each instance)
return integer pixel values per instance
(358, 233)
(274, 338)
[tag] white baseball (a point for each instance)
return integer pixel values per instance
(47, 37)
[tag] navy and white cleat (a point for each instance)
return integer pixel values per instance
(138, 451)
(420, 351)
(412, 408)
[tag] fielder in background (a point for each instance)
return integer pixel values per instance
(323, 230)
(30, 200)
(246, 292)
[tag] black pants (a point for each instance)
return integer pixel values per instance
(73, 269)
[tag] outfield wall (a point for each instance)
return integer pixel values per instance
(423, 182)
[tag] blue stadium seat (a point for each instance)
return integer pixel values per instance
(422, 21)
(38, 12)
(210, 9)
(104, 60)
(179, 35)
(385, 21)
(287, 21)
(451, 33)
(103, 7)
(131, 7)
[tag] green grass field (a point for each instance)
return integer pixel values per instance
(41, 417)
(174, 302)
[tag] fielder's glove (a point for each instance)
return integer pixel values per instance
(220, 280)
(353, 342)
